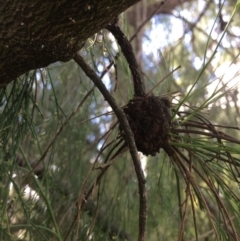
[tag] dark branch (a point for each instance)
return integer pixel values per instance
(36, 33)
(130, 140)
(130, 57)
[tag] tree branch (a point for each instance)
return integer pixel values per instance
(130, 57)
(36, 33)
(130, 140)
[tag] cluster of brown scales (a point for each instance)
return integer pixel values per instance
(150, 121)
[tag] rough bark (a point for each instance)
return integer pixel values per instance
(36, 33)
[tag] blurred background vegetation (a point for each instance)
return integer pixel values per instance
(48, 124)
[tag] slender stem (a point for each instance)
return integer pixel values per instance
(58, 133)
(45, 198)
(129, 138)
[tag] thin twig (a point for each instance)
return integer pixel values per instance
(208, 181)
(226, 138)
(58, 133)
(146, 20)
(179, 159)
(150, 91)
(129, 138)
(84, 198)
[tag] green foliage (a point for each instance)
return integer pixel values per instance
(61, 150)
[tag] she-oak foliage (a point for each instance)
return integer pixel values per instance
(66, 171)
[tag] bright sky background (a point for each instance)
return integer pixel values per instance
(226, 73)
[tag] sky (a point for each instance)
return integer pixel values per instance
(159, 37)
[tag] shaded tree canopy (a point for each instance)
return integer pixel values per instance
(136, 136)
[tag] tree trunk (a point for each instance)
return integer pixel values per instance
(36, 33)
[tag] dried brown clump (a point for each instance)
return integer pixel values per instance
(150, 121)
